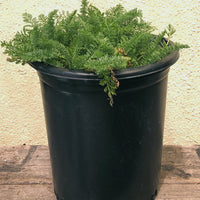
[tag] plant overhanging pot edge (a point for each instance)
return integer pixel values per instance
(132, 72)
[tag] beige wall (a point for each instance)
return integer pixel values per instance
(21, 112)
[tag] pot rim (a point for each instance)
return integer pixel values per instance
(139, 71)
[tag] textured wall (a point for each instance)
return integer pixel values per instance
(21, 112)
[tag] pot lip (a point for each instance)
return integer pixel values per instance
(140, 71)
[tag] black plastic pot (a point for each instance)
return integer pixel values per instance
(99, 152)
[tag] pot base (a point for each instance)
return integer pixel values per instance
(152, 197)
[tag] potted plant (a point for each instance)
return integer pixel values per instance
(100, 149)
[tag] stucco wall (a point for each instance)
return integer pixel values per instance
(21, 111)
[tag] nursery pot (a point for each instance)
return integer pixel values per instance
(99, 152)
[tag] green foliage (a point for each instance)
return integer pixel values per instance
(92, 41)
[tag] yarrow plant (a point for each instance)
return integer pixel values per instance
(91, 40)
